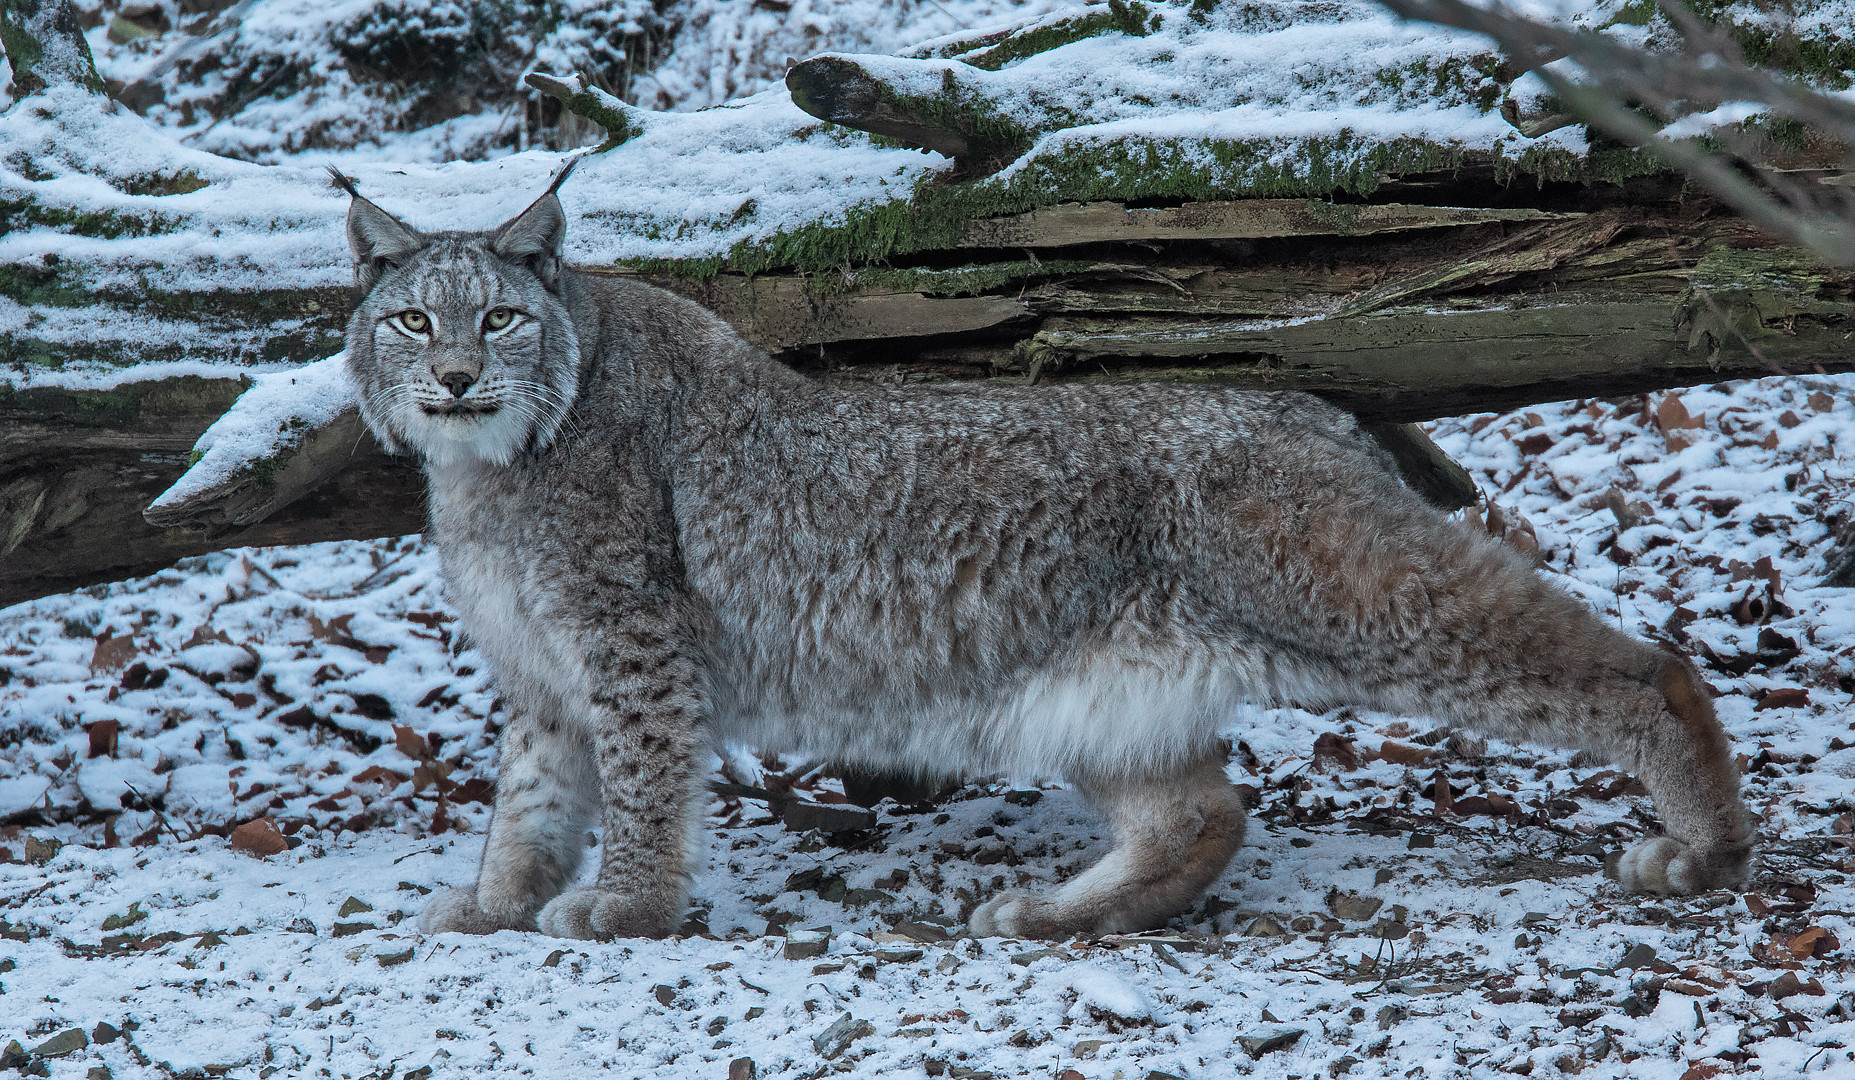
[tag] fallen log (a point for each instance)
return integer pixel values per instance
(1404, 278)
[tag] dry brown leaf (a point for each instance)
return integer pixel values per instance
(379, 774)
(112, 653)
(259, 837)
(1334, 753)
(1785, 697)
(1812, 942)
(411, 743)
(103, 736)
(1400, 754)
(1672, 415)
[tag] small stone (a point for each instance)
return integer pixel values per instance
(1023, 798)
(98, 1072)
(1264, 926)
(1269, 1040)
(861, 897)
(898, 956)
(1088, 1048)
(665, 995)
(1420, 840)
(1352, 907)
(13, 1055)
(1026, 959)
(805, 816)
(348, 929)
(947, 964)
(806, 944)
(1784, 986)
(393, 959)
(104, 1034)
(1638, 956)
(837, 1038)
(68, 1041)
(351, 906)
(742, 1068)
(926, 933)
(39, 852)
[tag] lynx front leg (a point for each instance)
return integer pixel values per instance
(545, 790)
(1172, 837)
(645, 739)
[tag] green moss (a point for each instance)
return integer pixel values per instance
(1132, 18)
(937, 215)
(24, 213)
(178, 183)
(1785, 271)
(121, 406)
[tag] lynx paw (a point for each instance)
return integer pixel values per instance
(1670, 867)
(1017, 914)
(601, 914)
(455, 911)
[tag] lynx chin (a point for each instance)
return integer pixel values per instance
(660, 537)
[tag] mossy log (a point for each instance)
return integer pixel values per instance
(1446, 294)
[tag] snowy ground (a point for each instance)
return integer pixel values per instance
(325, 689)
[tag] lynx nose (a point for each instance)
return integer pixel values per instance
(457, 382)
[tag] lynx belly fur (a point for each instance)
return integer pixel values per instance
(660, 537)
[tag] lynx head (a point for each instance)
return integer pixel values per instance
(461, 347)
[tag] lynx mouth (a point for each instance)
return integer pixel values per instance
(461, 408)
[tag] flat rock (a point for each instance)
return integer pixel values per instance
(837, 1038)
(68, 1041)
(1269, 1040)
(806, 816)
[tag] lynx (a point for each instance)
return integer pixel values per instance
(661, 537)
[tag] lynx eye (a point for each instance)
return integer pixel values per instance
(499, 318)
(416, 321)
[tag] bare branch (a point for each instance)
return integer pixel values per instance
(1631, 95)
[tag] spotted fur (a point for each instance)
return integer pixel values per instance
(660, 537)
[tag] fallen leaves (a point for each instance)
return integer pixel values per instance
(103, 737)
(259, 837)
(1788, 697)
(1400, 754)
(112, 653)
(1334, 753)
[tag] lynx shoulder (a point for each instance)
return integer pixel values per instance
(661, 538)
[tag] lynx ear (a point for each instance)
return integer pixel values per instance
(378, 239)
(536, 235)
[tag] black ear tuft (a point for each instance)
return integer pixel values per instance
(378, 239)
(536, 235)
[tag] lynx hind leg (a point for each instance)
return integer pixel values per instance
(1688, 767)
(1172, 837)
(545, 793)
